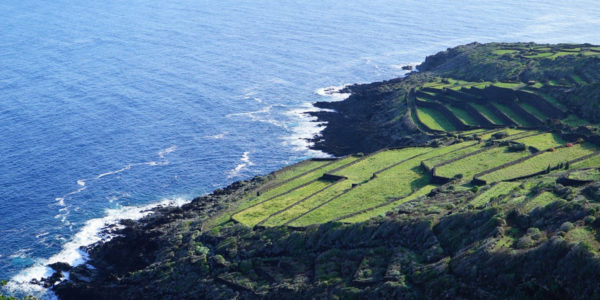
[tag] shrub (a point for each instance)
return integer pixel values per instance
(566, 226)
(499, 135)
(589, 220)
(524, 242)
(517, 147)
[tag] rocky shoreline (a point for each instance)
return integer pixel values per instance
(357, 124)
(136, 246)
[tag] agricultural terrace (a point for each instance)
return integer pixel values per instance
(541, 162)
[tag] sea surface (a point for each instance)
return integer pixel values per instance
(111, 107)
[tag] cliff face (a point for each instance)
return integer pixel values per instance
(373, 117)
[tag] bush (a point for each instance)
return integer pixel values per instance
(566, 226)
(589, 220)
(524, 242)
(499, 135)
(517, 147)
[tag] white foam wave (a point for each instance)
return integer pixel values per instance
(216, 136)
(162, 153)
(262, 115)
(305, 128)
(64, 213)
(245, 162)
(333, 92)
(90, 233)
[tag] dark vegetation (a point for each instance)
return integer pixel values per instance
(500, 200)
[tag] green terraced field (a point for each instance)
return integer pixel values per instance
(463, 115)
(304, 179)
(499, 189)
(510, 131)
(504, 51)
(574, 120)
(467, 148)
(511, 114)
(253, 215)
(356, 173)
(539, 163)
(591, 162)
(434, 119)
(298, 169)
(540, 55)
(541, 200)
(381, 210)
(509, 85)
(365, 168)
(398, 181)
(480, 162)
(590, 174)
(534, 111)
(487, 113)
(542, 141)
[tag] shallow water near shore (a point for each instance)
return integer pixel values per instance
(108, 108)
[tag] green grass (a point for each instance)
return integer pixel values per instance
(511, 114)
(591, 174)
(578, 79)
(480, 162)
(487, 113)
(434, 119)
(254, 215)
(539, 163)
(561, 53)
(477, 131)
(574, 120)
(541, 200)
(298, 169)
(504, 51)
(253, 199)
(381, 211)
(553, 101)
(356, 173)
(540, 55)
(430, 163)
(534, 111)
(504, 242)
(509, 85)
(398, 181)
(365, 168)
(542, 141)
(499, 189)
(463, 115)
(585, 235)
(592, 162)
(303, 179)
(590, 53)
(511, 133)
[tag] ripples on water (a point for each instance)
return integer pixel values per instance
(109, 105)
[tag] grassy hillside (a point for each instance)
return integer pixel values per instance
(478, 179)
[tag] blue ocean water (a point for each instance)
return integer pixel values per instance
(108, 106)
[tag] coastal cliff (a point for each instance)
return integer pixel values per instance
(534, 236)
